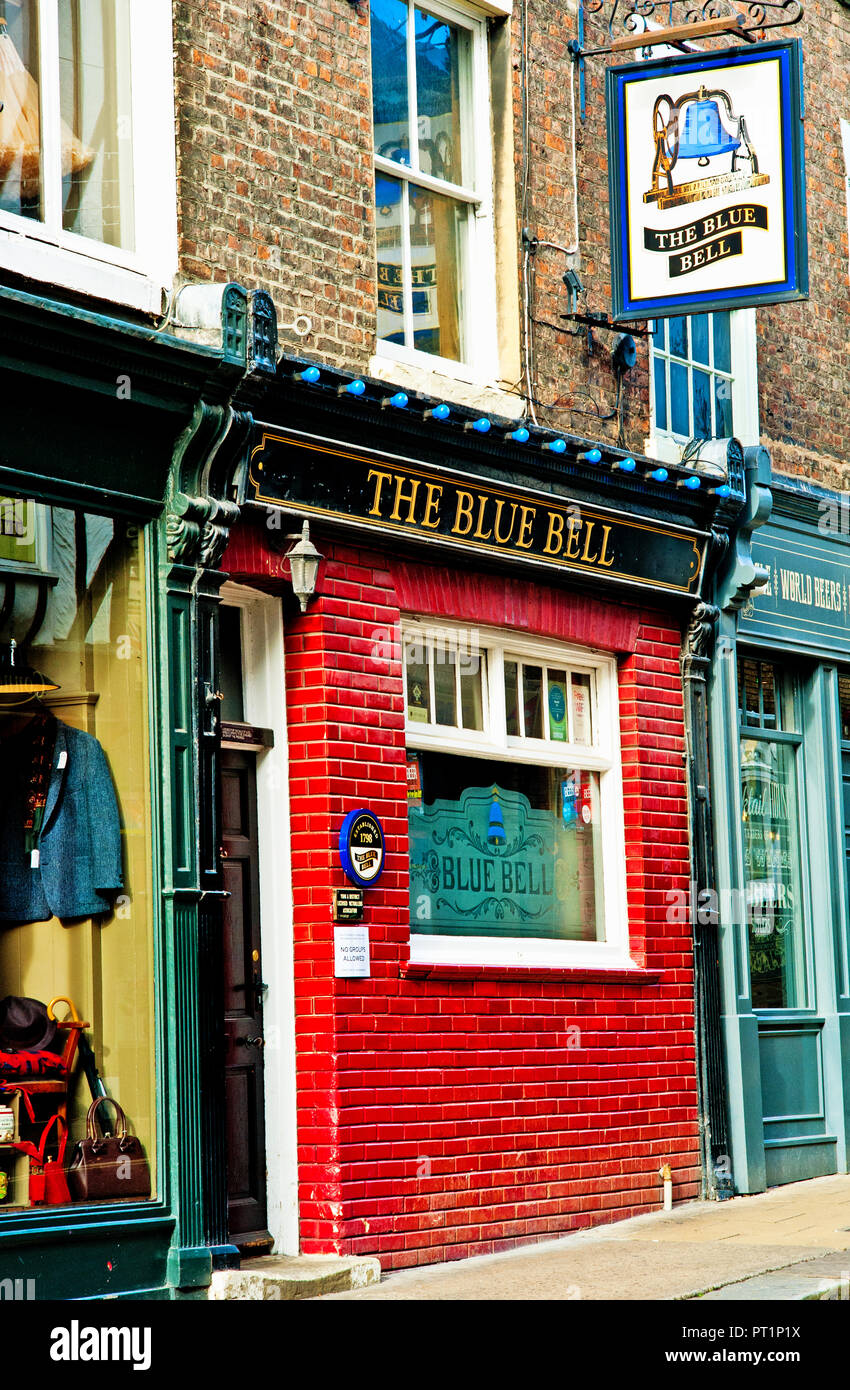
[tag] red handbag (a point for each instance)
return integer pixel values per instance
(48, 1184)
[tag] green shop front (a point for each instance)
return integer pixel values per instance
(780, 754)
(120, 460)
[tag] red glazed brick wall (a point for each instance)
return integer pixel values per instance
(445, 1117)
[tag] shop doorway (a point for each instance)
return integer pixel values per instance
(259, 1015)
(243, 1007)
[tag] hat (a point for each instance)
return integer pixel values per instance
(25, 1025)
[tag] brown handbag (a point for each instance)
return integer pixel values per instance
(111, 1166)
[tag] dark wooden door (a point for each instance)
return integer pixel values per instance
(243, 1006)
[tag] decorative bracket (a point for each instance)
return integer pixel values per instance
(682, 21)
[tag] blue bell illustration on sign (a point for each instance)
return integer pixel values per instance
(702, 136)
(496, 827)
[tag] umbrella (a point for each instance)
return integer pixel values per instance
(20, 146)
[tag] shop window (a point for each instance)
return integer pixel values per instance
(75, 846)
(703, 380)
(86, 141)
(433, 184)
(514, 800)
(771, 819)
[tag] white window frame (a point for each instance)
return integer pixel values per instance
(603, 757)
(478, 255)
(667, 446)
(43, 251)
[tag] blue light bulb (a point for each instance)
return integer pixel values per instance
(591, 455)
(482, 425)
(354, 388)
(519, 436)
(626, 465)
(659, 475)
(310, 375)
(558, 446)
(691, 483)
(438, 412)
(723, 491)
(399, 400)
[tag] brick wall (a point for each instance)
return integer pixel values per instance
(274, 159)
(445, 1117)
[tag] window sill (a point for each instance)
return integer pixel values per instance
(533, 974)
(69, 270)
(458, 387)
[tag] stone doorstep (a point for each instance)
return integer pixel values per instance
(284, 1277)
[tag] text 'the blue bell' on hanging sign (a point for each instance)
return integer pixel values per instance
(707, 181)
(362, 848)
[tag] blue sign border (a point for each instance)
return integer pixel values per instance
(796, 283)
(345, 848)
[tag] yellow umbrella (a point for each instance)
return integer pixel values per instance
(20, 146)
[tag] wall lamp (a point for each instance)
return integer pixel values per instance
(304, 567)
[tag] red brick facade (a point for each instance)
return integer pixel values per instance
(455, 1111)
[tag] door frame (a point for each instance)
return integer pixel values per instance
(264, 689)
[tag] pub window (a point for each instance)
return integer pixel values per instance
(771, 820)
(514, 797)
(433, 182)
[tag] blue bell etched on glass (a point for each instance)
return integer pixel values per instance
(496, 827)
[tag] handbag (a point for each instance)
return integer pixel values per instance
(47, 1182)
(108, 1166)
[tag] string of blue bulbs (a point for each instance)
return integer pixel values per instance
(520, 435)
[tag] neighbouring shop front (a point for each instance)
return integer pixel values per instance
(112, 520)
(488, 802)
(781, 763)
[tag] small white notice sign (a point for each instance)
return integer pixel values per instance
(351, 953)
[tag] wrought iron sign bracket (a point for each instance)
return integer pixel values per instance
(687, 21)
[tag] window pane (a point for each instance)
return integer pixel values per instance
(230, 647)
(441, 64)
(557, 705)
(445, 691)
(502, 849)
(768, 696)
(844, 705)
(722, 408)
(722, 344)
(390, 275)
(512, 700)
(679, 399)
(436, 229)
(75, 889)
(749, 702)
(20, 147)
(418, 694)
(699, 338)
(532, 681)
(660, 394)
(702, 405)
(658, 334)
(96, 133)
(389, 79)
(679, 337)
(772, 875)
(582, 729)
(472, 671)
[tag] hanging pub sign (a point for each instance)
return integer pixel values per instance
(707, 182)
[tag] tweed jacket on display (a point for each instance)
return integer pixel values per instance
(79, 848)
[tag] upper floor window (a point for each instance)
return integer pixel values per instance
(87, 195)
(433, 182)
(703, 380)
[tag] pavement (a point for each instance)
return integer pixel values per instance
(789, 1244)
